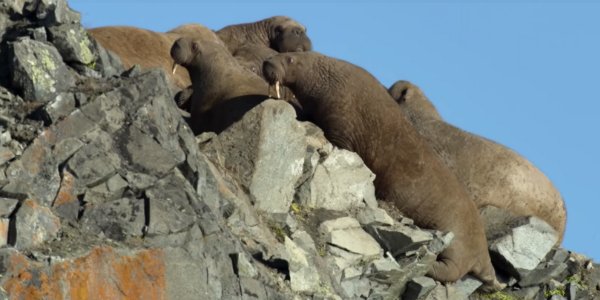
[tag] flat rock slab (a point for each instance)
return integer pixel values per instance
(523, 249)
(347, 234)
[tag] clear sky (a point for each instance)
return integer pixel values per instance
(522, 73)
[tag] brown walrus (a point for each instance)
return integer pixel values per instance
(149, 48)
(280, 33)
(223, 90)
(493, 174)
(356, 113)
(252, 57)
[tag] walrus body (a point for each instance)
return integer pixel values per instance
(280, 33)
(150, 49)
(223, 90)
(493, 174)
(356, 113)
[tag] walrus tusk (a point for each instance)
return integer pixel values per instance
(277, 94)
(174, 68)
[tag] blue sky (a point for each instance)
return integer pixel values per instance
(522, 73)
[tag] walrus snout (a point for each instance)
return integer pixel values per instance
(271, 72)
(180, 52)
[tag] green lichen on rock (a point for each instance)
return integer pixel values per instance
(38, 70)
(41, 69)
(85, 54)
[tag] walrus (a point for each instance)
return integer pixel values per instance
(356, 113)
(280, 33)
(150, 49)
(252, 57)
(222, 90)
(493, 174)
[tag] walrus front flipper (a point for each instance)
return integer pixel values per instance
(446, 269)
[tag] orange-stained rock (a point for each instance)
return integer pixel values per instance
(4, 231)
(66, 191)
(104, 273)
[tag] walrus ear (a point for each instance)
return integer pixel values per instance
(195, 46)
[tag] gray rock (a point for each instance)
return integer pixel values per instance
(35, 224)
(107, 63)
(35, 174)
(340, 182)
(106, 111)
(356, 288)
(418, 288)
(245, 267)
(96, 162)
(4, 228)
(542, 273)
(384, 264)
(141, 153)
(38, 34)
(265, 151)
(118, 219)
(253, 289)
(347, 234)
(304, 276)
(440, 242)
(61, 106)
(6, 154)
(169, 204)
(66, 204)
(399, 239)
(76, 126)
(571, 291)
(15, 6)
(65, 148)
(464, 287)
(7, 206)
(497, 221)
(440, 292)
(557, 297)
(109, 190)
(304, 241)
(72, 42)
(528, 293)
(374, 216)
(38, 70)
(55, 12)
(525, 247)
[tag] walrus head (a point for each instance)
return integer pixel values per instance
(288, 35)
(413, 100)
(275, 70)
(186, 51)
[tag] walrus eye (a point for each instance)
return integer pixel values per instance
(195, 46)
(290, 60)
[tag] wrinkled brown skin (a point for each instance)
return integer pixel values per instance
(252, 57)
(150, 49)
(223, 90)
(279, 33)
(493, 174)
(356, 113)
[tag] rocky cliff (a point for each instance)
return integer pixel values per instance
(106, 194)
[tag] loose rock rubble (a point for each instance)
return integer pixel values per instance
(105, 193)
